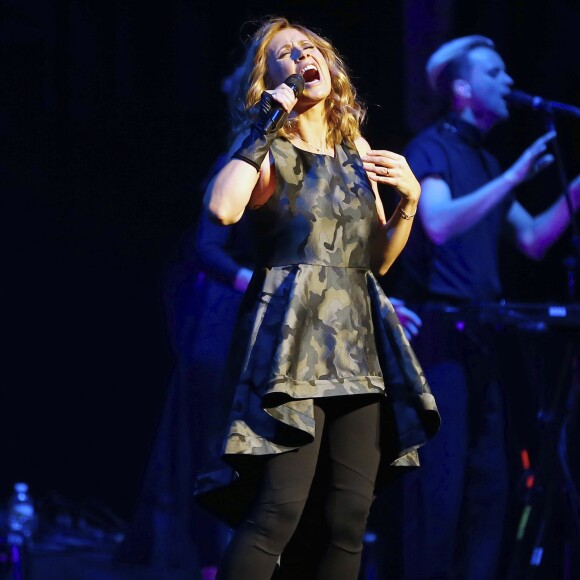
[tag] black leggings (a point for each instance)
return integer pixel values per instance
(351, 427)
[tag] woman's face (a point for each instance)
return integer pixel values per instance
(292, 52)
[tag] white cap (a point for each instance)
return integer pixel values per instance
(450, 51)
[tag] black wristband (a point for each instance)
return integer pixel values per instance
(254, 148)
(257, 144)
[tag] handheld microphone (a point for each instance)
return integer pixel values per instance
(276, 112)
(521, 99)
(296, 83)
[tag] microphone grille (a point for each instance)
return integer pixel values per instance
(296, 83)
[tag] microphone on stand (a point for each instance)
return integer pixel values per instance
(521, 99)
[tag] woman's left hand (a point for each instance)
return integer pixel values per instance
(392, 169)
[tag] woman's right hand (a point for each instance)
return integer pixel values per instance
(285, 96)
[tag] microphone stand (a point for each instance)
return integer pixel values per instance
(571, 262)
(544, 505)
(555, 107)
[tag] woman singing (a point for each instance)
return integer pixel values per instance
(320, 368)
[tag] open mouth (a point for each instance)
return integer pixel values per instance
(310, 74)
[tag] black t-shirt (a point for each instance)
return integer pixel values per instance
(465, 268)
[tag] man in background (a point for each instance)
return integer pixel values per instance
(453, 509)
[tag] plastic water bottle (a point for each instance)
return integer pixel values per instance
(21, 515)
(21, 526)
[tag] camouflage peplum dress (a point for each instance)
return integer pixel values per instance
(314, 323)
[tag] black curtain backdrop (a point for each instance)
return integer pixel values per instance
(110, 116)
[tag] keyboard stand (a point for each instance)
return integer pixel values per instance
(551, 501)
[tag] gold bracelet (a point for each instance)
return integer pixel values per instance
(405, 215)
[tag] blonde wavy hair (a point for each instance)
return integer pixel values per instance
(345, 112)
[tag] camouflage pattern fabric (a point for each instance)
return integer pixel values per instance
(315, 323)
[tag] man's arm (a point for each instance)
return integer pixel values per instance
(535, 235)
(213, 255)
(444, 217)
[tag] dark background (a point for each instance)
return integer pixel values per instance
(110, 117)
